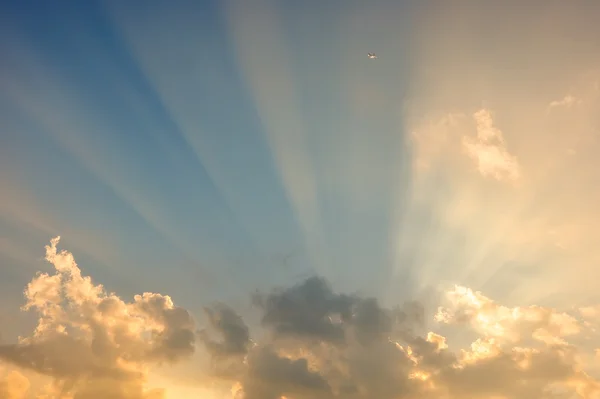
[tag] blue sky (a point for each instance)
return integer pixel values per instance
(133, 131)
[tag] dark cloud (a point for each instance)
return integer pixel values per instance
(371, 322)
(324, 345)
(230, 326)
(177, 338)
(328, 345)
(64, 357)
(270, 376)
(410, 313)
(306, 311)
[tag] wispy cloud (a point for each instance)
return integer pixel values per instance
(568, 101)
(488, 149)
(438, 142)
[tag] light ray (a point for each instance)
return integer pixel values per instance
(529, 222)
(86, 137)
(266, 66)
(229, 150)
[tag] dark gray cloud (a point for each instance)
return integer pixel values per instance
(270, 376)
(64, 357)
(307, 310)
(311, 310)
(371, 323)
(328, 345)
(177, 339)
(346, 339)
(232, 329)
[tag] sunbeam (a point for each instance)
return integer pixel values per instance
(267, 199)
(265, 65)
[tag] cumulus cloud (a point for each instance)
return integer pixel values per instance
(514, 324)
(325, 344)
(270, 375)
(488, 149)
(230, 325)
(320, 344)
(307, 311)
(91, 342)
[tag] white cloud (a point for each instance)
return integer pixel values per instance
(568, 101)
(442, 142)
(505, 324)
(488, 149)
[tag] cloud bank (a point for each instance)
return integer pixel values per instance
(313, 343)
(322, 344)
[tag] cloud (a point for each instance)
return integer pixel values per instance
(92, 343)
(320, 344)
(499, 322)
(269, 376)
(306, 311)
(488, 149)
(230, 326)
(14, 386)
(444, 139)
(325, 344)
(568, 101)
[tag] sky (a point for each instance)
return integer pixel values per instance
(229, 199)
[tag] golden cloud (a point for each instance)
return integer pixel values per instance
(321, 344)
(92, 343)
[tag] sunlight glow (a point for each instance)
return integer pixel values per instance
(251, 208)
